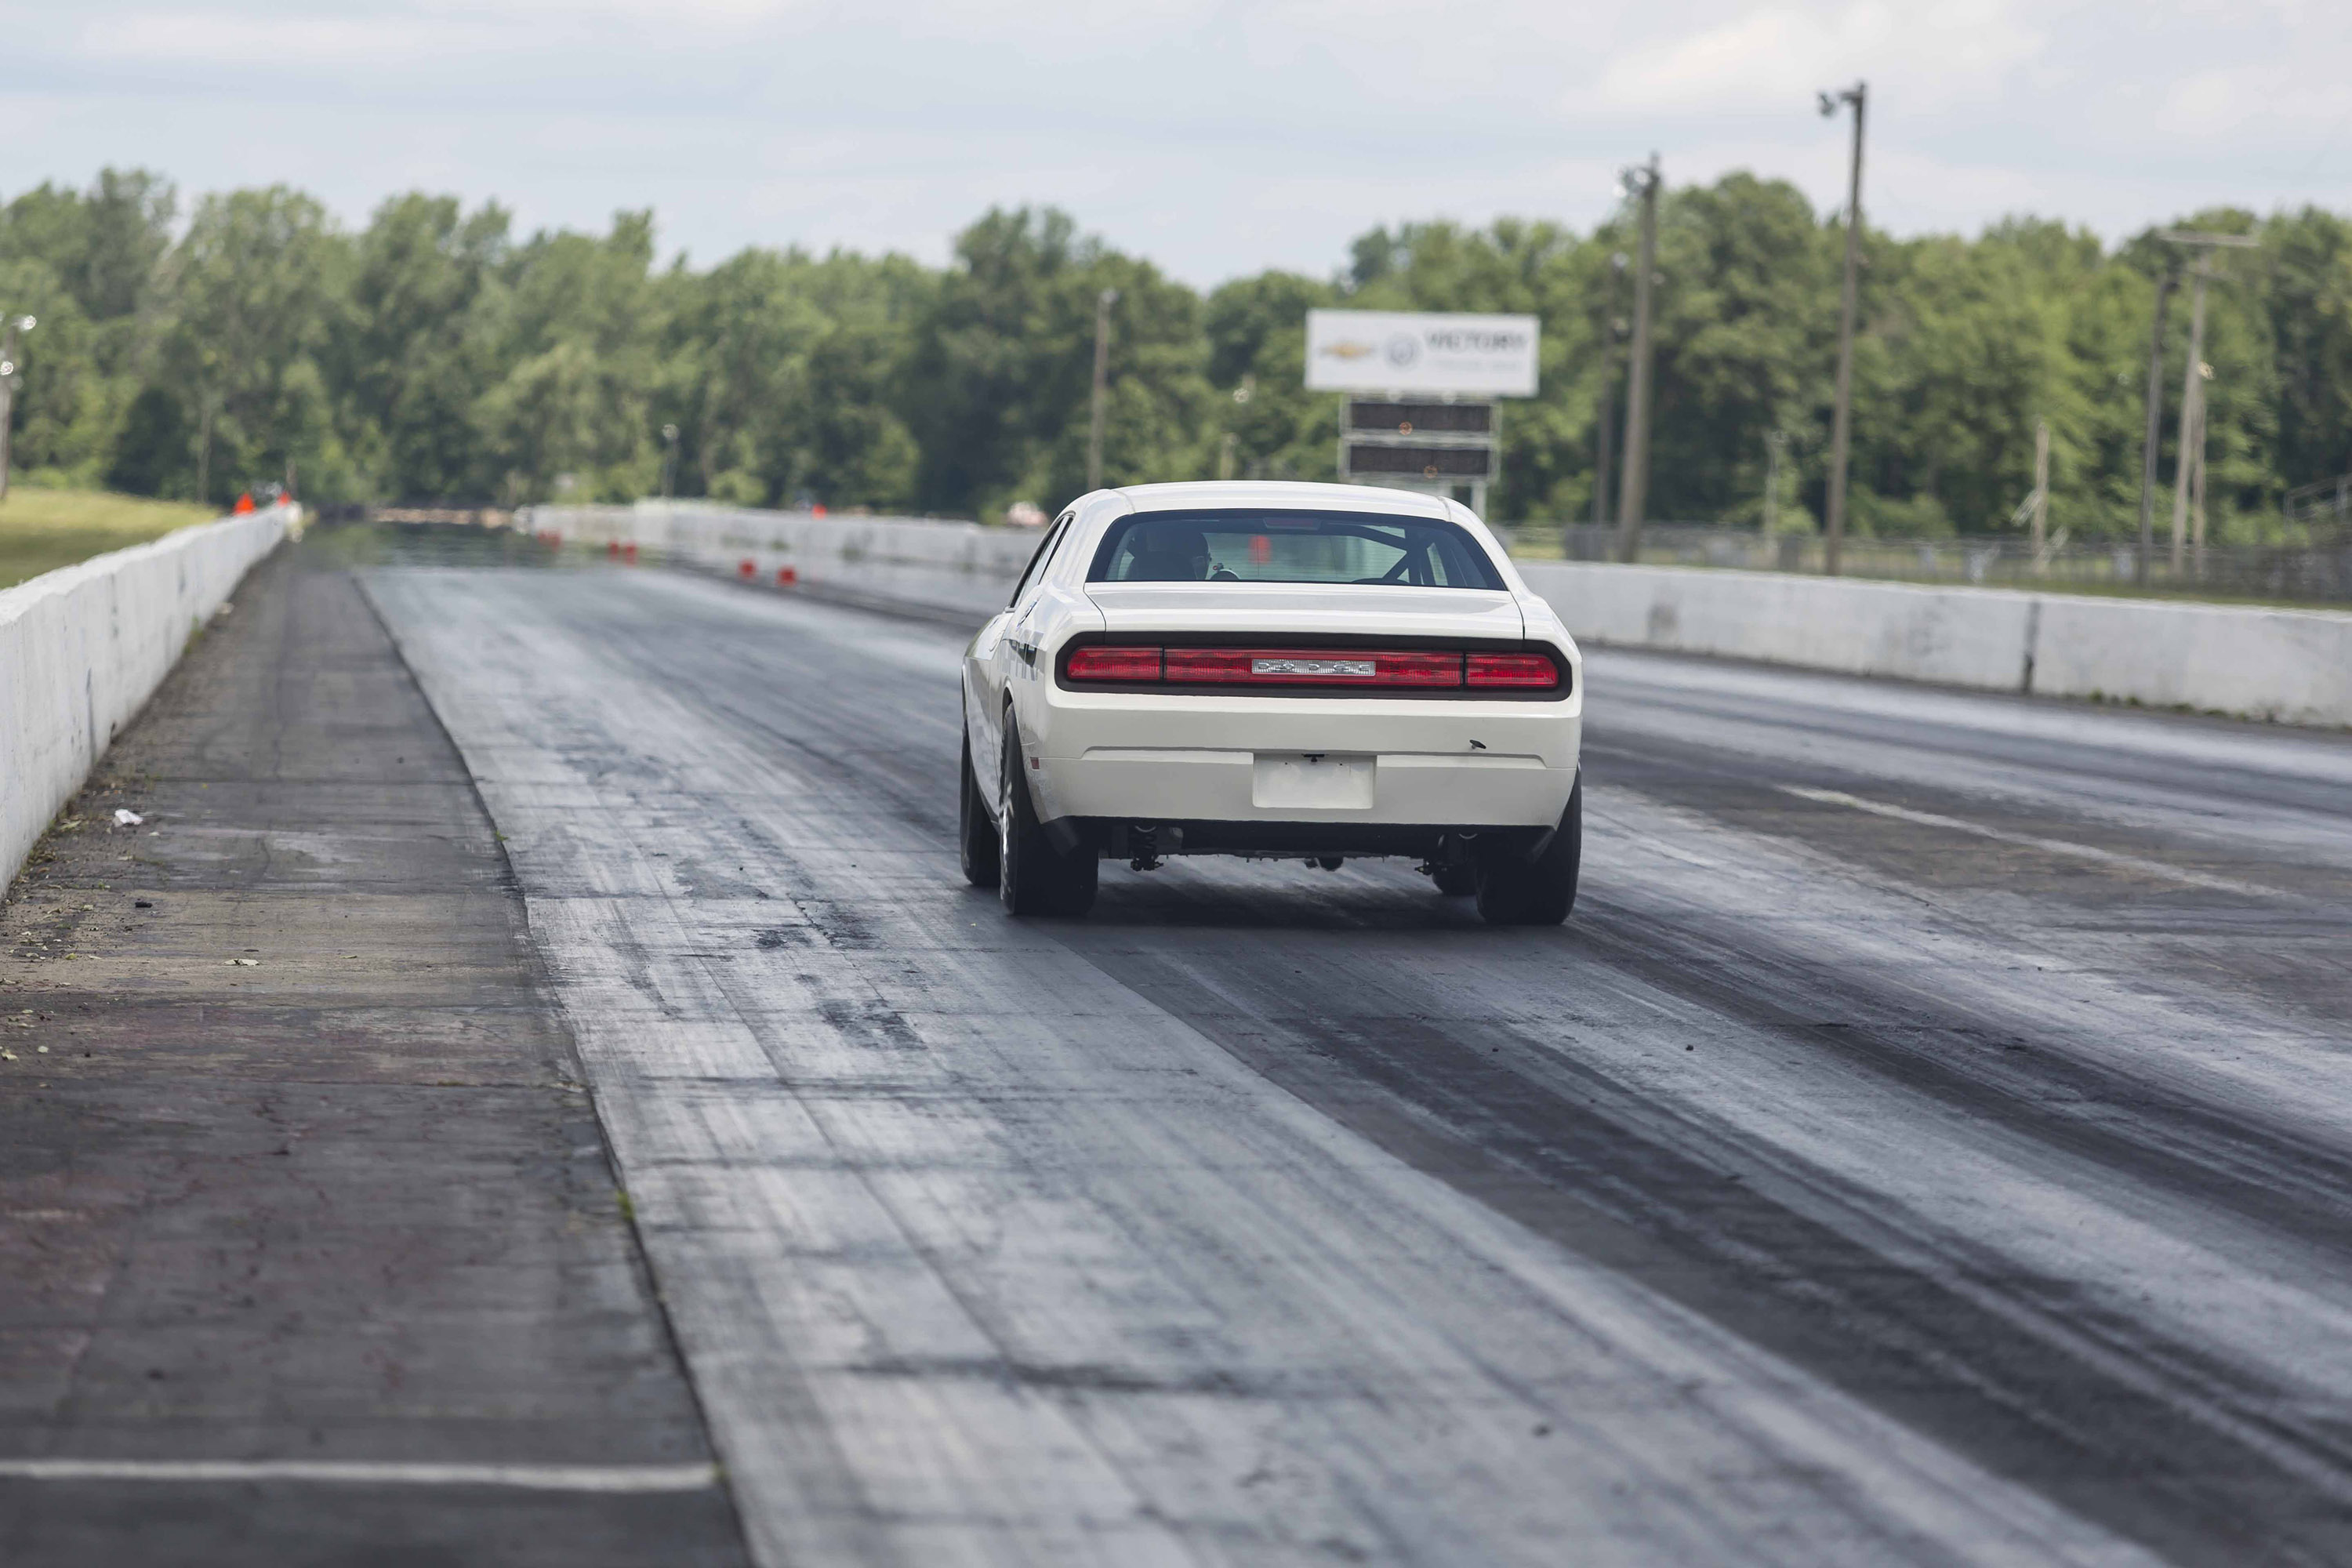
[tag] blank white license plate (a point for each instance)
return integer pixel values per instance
(1311, 781)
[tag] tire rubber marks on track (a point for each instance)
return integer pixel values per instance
(1966, 1351)
(1030, 1290)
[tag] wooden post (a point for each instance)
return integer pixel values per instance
(2041, 490)
(1103, 303)
(2164, 289)
(1841, 418)
(2192, 408)
(204, 450)
(2197, 493)
(1633, 482)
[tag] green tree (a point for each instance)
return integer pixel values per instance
(416, 346)
(432, 354)
(1256, 329)
(575, 332)
(82, 264)
(851, 445)
(103, 244)
(2307, 306)
(249, 296)
(998, 384)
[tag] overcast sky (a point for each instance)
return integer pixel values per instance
(1216, 138)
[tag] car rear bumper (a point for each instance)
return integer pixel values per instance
(1294, 760)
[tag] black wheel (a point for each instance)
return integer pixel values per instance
(975, 834)
(1455, 880)
(1034, 878)
(1514, 891)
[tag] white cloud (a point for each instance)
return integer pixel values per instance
(263, 36)
(2233, 98)
(1778, 53)
(216, 40)
(1218, 136)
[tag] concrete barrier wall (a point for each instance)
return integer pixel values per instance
(955, 569)
(1972, 638)
(2290, 666)
(82, 648)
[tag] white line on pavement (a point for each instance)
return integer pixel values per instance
(2028, 840)
(345, 1472)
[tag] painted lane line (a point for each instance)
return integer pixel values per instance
(2030, 841)
(359, 1472)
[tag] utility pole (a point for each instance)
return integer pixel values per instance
(1603, 437)
(2164, 288)
(1633, 485)
(1841, 421)
(2196, 495)
(9, 391)
(1604, 434)
(1103, 302)
(206, 403)
(2192, 392)
(1775, 443)
(2192, 409)
(2041, 489)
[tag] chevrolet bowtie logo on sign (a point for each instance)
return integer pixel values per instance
(1456, 355)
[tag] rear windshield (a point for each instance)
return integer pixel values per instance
(1267, 546)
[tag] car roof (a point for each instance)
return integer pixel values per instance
(1219, 493)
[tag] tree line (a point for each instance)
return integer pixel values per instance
(436, 353)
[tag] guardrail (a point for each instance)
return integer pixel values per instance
(83, 647)
(2289, 666)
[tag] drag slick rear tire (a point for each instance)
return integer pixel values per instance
(975, 833)
(1516, 892)
(1034, 877)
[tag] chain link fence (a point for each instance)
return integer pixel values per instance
(2316, 572)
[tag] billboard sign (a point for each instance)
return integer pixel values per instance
(1394, 351)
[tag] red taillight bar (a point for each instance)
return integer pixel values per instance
(1514, 671)
(1111, 664)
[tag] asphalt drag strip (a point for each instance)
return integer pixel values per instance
(310, 1248)
(1954, 1176)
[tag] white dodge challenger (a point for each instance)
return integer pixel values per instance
(1275, 670)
